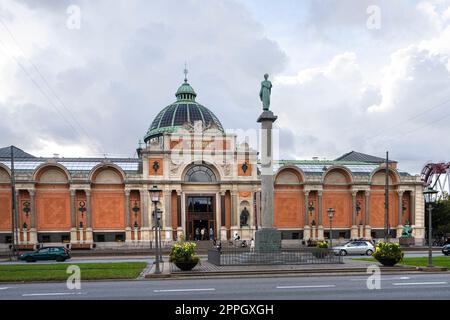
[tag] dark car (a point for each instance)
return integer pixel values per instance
(59, 254)
(446, 249)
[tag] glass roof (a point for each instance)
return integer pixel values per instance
(76, 165)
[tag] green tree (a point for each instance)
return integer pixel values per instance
(441, 217)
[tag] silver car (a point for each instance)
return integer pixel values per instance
(355, 247)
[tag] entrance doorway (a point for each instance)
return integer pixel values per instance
(200, 216)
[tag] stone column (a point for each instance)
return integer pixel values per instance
(145, 212)
(234, 212)
(306, 227)
(268, 237)
(354, 229)
(223, 227)
(180, 234)
(168, 214)
(33, 213)
(419, 216)
(73, 218)
(319, 216)
(127, 216)
(89, 232)
(412, 203)
(218, 215)
(368, 229)
(16, 218)
(400, 214)
(183, 215)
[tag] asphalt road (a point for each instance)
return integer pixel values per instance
(398, 286)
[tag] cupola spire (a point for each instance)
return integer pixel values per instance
(185, 91)
(185, 72)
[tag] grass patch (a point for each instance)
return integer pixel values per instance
(418, 262)
(57, 271)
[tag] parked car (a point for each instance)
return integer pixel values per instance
(446, 249)
(59, 254)
(355, 247)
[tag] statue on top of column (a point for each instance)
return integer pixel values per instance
(265, 92)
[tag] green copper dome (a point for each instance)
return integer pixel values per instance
(184, 110)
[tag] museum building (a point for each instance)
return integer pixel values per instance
(208, 181)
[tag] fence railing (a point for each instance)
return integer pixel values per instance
(245, 256)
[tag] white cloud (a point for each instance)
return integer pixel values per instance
(338, 86)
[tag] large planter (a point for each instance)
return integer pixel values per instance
(320, 254)
(186, 266)
(388, 262)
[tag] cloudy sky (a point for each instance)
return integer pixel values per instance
(86, 78)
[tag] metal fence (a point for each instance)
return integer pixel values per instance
(229, 257)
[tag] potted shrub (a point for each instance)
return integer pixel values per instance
(321, 249)
(388, 253)
(183, 255)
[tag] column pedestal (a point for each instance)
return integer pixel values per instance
(233, 230)
(306, 233)
(313, 233)
(128, 235)
(399, 231)
(361, 231)
(419, 235)
(33, 236)
(223, 234)
(89, 236)
(25, 236)
(354, 232)
(268, 239)
(320, 233)
(168, 233)
(180, 235)
(145, 234)
(73, 235)
(368, 232)
(81, 235)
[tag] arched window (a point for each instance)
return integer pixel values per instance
(200, 174)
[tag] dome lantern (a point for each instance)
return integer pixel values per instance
(184, 110)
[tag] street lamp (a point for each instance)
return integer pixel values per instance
(155, 193)
(430, 199)
(330, 216)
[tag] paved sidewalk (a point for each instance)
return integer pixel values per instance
(206, 269)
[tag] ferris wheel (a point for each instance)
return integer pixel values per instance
(437, 176)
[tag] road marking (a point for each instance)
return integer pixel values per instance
(4, 288)
(384, 279)
(304, 287)
(51, 294)
(184, 290)
(417, 283)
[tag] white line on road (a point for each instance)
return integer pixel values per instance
(384, 279)
(417, 283)
(184, 290)
(51, 294)
(4, 288)
(304, 287)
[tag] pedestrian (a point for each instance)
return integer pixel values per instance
(197, 234)
(252, 245)
(211, 233)
(203, 233)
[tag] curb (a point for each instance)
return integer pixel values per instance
(307, 272)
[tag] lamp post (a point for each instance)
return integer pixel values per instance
(154, 195)
(430, 199)
(330, 216)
